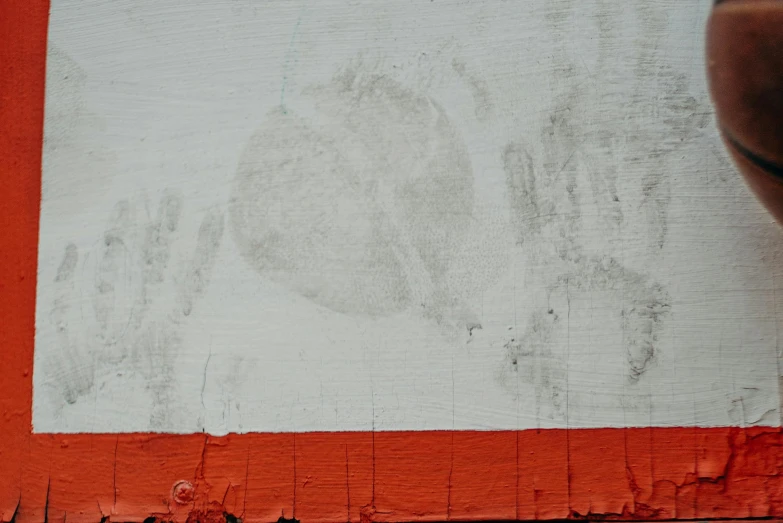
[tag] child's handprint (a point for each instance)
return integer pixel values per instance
(127, 296)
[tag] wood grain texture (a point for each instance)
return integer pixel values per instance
(661, 474)
(681, 472)
(432, 217)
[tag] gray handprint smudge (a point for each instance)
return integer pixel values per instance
(115, 283)
(531, 359)
(68, 265)
(645, 304)
(300, 217)
(529, 210)
(158, 238)
(478, 88)
(662, 116)
(364, 209)
(547, 201)
(69, 137)
(200, 268)
(68, 369)
(137, 299)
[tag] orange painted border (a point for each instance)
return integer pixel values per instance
(335, 477)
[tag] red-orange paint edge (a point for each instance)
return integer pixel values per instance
(321, 477)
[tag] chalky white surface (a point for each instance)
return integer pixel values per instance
(353, 215)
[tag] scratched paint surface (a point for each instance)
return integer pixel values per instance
(295, 216)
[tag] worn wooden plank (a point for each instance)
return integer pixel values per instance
(490, 241)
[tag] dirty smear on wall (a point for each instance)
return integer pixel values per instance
(420, 216)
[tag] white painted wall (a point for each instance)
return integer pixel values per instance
(344, 215)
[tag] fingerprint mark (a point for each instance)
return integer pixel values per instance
(529, 211)
(530, 356)
(643, 323)
(68, 265)
(112, 297)
(199, 272)
(157, 246)
(71, 370)
(478, 86)
(162, 342)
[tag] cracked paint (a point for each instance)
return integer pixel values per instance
(667, 474)
(379, 250)
(677, 473)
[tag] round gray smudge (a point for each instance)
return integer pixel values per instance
(364, 213)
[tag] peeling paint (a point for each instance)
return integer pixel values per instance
(668, 474)
(652, 473)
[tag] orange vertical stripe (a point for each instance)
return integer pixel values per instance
(23, 25)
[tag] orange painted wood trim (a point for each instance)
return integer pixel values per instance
(678, 473)
(638, 473)
(22, 71)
